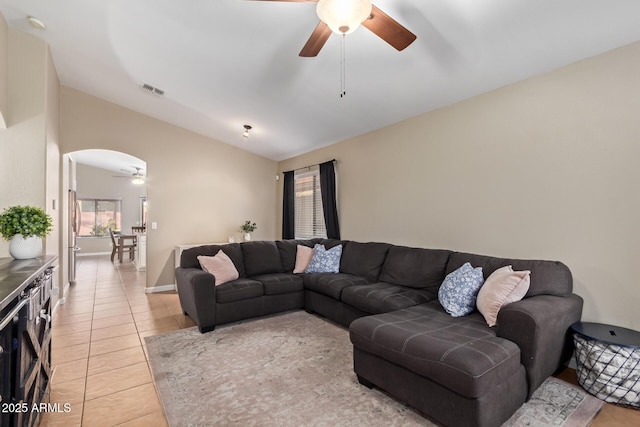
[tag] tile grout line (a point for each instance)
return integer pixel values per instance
(86, 375)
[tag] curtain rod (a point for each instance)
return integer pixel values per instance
(310, 166)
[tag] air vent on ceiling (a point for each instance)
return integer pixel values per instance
(146, 87)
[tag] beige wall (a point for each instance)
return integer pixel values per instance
(199, 190)
(545, 168)
(22, 144)
(52, 157)
(4, 71)
(29, 156)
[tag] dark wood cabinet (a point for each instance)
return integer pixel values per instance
(25, 339)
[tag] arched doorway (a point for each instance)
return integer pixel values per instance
(107, 189)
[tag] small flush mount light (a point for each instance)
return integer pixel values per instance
(247, 128)
(36, 23)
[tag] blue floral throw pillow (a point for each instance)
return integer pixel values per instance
(325, 261)
(459, 290)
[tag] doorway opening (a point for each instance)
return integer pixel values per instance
(107, 191)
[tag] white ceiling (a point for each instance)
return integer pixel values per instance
(114, 161)
(226, 63)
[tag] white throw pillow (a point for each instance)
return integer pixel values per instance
(303, 258)
(502, 287)
(220, 266)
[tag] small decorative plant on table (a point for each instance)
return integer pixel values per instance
(24, 227)
(247, 228)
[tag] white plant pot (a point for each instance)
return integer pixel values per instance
(21, 248)
(247, 237)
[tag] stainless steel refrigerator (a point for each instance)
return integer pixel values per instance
(74, 225)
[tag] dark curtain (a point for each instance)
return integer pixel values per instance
(288, 213)
(328, 191)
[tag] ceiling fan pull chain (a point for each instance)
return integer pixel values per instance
(343, 67)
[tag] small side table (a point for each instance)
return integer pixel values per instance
(608, 361)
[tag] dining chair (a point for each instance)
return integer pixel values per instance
(121, 244)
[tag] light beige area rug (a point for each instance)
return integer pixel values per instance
(296, 369)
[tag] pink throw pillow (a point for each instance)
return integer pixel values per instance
(220, 266)
(303, 258)
(502, 287)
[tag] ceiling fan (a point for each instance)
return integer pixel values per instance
(344, 16)
(137, 177)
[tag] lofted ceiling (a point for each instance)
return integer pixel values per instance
(226, 63)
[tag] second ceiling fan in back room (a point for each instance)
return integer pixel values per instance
(137, 177)
(344, 16)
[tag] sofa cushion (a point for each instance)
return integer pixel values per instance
(325, 260)
(280, 283)
(415, 267)
(502, 287)
(364, 259)
(238, 290)
(220, 266)
(189, 257)
(330, 243)
(288, 251)
(459, 290)
(331, 284)
(462, 354)
(547, 277)
(382, 297)
(261, 257)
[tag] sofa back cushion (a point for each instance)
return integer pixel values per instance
(415, 267)
(547, 277)
(364, 259)
(330, 243)
(288, 251)
(189, 257)
(261, 257)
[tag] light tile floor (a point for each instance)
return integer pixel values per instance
(99, 351)
(98, 347)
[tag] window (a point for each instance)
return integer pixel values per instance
(309, 216)
(97, 216)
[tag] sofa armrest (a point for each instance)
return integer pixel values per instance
(539, 325)
(197, 293)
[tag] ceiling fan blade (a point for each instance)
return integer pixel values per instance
(318, 38)
(388, 29)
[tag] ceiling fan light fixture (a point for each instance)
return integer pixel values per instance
(137, 180)
(343, 16)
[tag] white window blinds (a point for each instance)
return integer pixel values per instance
(309, 216)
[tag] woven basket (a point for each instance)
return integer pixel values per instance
(609, 372)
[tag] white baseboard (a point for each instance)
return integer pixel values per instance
(163, 288)
(81, 254)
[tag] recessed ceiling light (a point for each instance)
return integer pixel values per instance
(36, 23)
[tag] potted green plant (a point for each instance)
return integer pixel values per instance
(24, 227)
(247, 228)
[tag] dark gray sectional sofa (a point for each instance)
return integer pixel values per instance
(456, 370)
